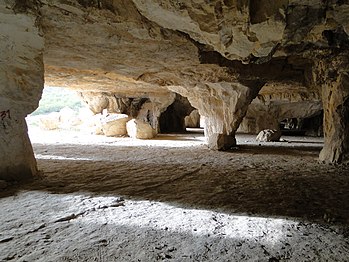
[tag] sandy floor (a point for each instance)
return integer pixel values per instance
(172, 199)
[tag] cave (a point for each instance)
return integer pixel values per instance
(147, 190)
(173, 119)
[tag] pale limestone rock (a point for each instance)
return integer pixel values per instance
(223, 25)
(50, 121)
(173, 45)
(268, 135)
(276, 102)
(151, 111)
(127, 55)
(140, 129)
(193, 120)
(21, 83)
(115, 124)
(223, 105)
(139, 58)
(92, 124)
(335, 91)
(147, 109)
(95, 124)
(98, 102)
(66, 119)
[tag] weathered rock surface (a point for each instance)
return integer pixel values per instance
(21, 83)
(173, 119)
(276, 102)
(335, 87)
(140, 129)
(66, 118)
(115, 124)
(224, 105)
(218, 54)
(195, 46)
(193, 119)
(268, 135)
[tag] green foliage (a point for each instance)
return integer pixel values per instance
(54, 99)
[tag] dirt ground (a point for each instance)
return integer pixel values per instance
(118, 199)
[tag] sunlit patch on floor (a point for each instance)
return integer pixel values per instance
(52, 157)
(41, 226)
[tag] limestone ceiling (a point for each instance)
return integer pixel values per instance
(143, 46)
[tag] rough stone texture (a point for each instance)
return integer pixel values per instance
(224, 105)
(173, 119)
(257, 28)
(336, 110)
(151, 111)
(140, 129)
(146, 108)
(192, 45)
(276, 102)
(21, 83)
(66, 118)
(268, 135)
(193, 119)
(218, 54)
(115, 124)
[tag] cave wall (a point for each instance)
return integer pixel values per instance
(276, 102)
(21, 84)
(173, 119)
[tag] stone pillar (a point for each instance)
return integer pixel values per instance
(223, 105)
(335, 96)
(21, 84)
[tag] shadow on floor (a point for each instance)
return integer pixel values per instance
(263, 181)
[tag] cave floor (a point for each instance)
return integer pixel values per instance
(118, 199)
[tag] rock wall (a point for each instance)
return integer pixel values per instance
(276, 102)
(21, 84)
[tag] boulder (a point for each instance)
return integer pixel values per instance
(269, 135)
(68, 118)
(140, 129)
(115, 124)
(50, 121)
(193, 120)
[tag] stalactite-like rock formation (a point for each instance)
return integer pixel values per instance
(217, 54)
